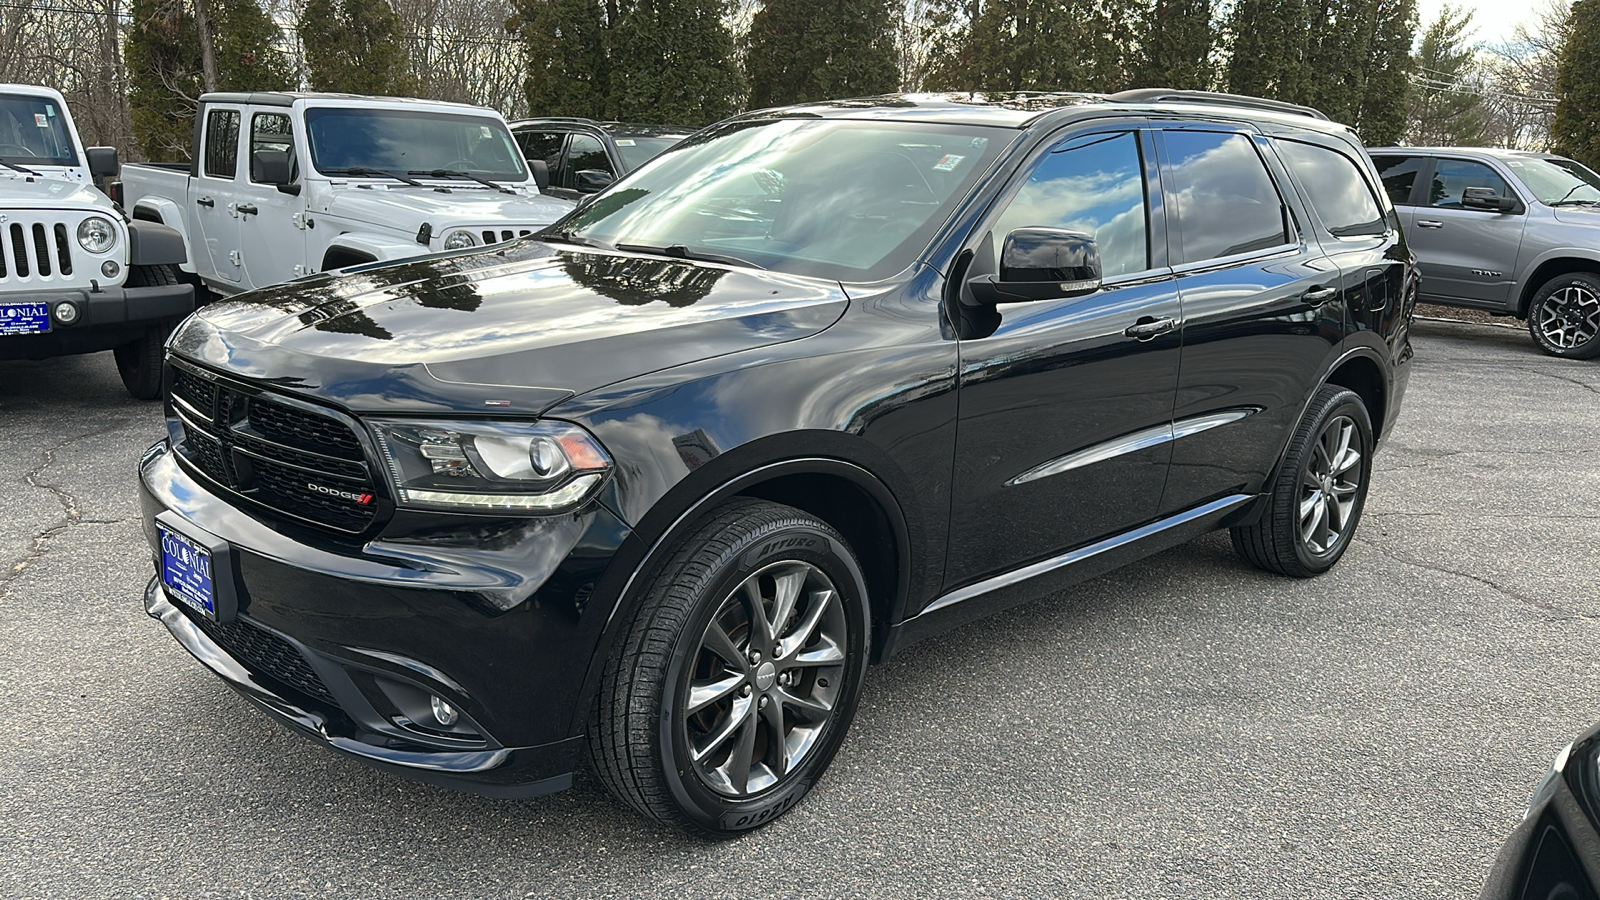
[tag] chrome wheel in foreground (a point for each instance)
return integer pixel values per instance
(766, 678)
(1569, 317)
(1330, 485)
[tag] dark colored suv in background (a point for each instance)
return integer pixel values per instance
(584, 156)
(652, 488)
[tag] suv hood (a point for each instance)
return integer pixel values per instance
(518, 329)
(19, 191)
(408, 207)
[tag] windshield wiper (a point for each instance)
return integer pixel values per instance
(456, 173)
(368, 171)
(680, 251)
(1565, 202)
(567, 237)
(23, 169)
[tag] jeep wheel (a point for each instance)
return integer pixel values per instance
(139, 362)
(1564, 317)
(1317, 498)
(740, 674)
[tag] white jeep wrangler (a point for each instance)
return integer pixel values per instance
(75, 275)
(285, 184)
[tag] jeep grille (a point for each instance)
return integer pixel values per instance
(35, 252)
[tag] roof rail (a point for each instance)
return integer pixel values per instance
(1158, 95)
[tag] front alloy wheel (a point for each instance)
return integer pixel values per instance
(1564, 318)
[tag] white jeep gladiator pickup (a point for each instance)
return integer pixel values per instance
(75, 275)
(287, 184)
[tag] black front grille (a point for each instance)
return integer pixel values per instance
(294, 459)
(265, 653)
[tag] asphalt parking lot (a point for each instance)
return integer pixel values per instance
(1186, 727)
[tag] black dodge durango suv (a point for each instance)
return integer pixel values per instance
(652, 488)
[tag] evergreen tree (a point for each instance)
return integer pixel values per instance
(1039, 45)
(803, 50)
(566, 51)
(1575, 131)
(1381, 119)
(672, 61)
(164, 67)
(354, 46)
(1175, 38)
(1444, 108)
(1268, 42)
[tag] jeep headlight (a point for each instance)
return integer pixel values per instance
(96, 234)
(460, 240)
(505, 467)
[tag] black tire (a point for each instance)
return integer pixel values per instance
(1282, 541)
(139, 362)
(1564, 317)
(642, 735)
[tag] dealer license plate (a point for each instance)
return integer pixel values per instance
(186, 571)
(24, 318)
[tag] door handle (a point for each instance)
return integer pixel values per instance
(1148, 327)
(205, 201)
(247, 209)
(1319, 295)
(1429, 223)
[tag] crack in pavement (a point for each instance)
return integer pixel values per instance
(69, 504)
(1553, 517)
(1583, 384)
(1563, 613)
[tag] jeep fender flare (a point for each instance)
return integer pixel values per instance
(155, 244)
(370, 248)
(162, 211)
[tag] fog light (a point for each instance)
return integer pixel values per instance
(66, 313)
(444, 713)
(109, 269)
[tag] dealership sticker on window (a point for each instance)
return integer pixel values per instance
(41, 120)
(948, 163)
(483, 131)
(624, 142)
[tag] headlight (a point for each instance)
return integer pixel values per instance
(96, 235)
(536, 467)
(459, 240)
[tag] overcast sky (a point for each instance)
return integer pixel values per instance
(1494, 19)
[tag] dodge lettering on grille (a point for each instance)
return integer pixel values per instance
(363, 499)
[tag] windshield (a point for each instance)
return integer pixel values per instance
(402, 140)
(636, 151)
(833, 198)
(1555, 180)
(33, 132)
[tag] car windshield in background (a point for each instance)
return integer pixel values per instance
(840, 199)
(1556, 181)
(636, 151)
(33, 132)
(400, 140)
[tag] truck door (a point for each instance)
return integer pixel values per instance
(1468, 256)
(212, 193)
(273, 223)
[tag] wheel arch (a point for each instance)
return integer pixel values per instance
(1363, 375)
(161, 211)
(1564, 263)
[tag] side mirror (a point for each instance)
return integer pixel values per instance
(1486, 198)
(592, 181)
(1041, 264)
(102, 161)
(271, 166)
(541, 173)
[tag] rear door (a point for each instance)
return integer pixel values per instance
(272, 221)
(212, 193)
(1063, 435)
(1262, 312)
(1468, 256)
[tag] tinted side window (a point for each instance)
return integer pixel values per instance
(1339, 193)
(545, 145)
(1225, 199)
(1453, 176)
(586, 152)
(1398, 174)
(270, 131)
(1096, 188)
(222, 142)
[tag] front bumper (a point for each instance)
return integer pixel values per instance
(107, 318)
(326, 639)
(1555, 850)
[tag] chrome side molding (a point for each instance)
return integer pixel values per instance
(1138, 440)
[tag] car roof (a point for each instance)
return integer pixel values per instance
(1021, 109)
(623, 129)
(1494, 152)
(289, 98)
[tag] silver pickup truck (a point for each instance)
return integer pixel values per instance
(1510, 232)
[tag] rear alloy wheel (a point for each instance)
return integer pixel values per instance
(1317, 498)
(1564, 317)
(740, 674)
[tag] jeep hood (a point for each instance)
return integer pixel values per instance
(408, 207)
(19, 191)
(518, 329)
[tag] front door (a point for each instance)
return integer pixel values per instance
(212, 193)
(1063, 436)
(272, 222)
(1467, 256)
